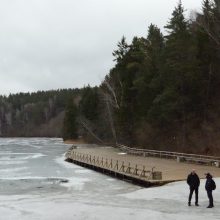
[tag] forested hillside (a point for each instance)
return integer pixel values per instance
(34, 114)
(162, 93)
(164, 90)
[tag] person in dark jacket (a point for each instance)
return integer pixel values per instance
(193, 181)
(209, 186)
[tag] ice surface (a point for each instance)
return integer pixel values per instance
(47, 188)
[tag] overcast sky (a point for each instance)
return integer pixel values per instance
(51, 44)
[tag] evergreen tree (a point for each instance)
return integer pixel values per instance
(181, 67)
(121, 51)
(148, 82)
(177, 101)
(126, 72)
(89, 103)
(70, 127)
(207, 32)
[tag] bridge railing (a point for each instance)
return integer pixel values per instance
(118, 166)
(180, 157)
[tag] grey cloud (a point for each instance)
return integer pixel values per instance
(50, 44)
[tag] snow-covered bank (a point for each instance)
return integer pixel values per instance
(166, 202)
(170, 201)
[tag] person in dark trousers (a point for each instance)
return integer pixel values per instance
(193, 181)
(210, 186)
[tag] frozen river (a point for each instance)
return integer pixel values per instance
(36, 183)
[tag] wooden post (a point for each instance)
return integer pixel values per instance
(143, 172)
(128, 170)
(116, 165)
(122, 167)
(135, 170)
(156, 175)
(111, 164)
(106, 163)
(97, 161)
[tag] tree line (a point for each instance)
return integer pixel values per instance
(34, 114)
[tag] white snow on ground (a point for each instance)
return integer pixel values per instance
(76, 183)
(9, 171)
(34, 156)
(21, 156)
(82, 171)
(166, 202)
(173, 191)
(13, 162)
(77, 169)
(60, 209)
(61, 161)
(171, 201)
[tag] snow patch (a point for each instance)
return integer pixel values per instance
(12, 170)
(61, 161)
(13, 162)
(76, 183)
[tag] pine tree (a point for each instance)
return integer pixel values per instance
(89, 103)
(148, 82)
(181, 62)
(174, 103)
(70, 126)
(208, 40)
(121, 51)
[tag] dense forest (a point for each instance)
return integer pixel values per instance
(162, 93)
(35, 114)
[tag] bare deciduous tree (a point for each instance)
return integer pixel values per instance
(111, 100)
(86, 125)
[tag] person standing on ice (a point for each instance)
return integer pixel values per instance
(193, 181)
(209, 186)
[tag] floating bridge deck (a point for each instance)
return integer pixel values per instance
(146, 168)
(137, 174)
